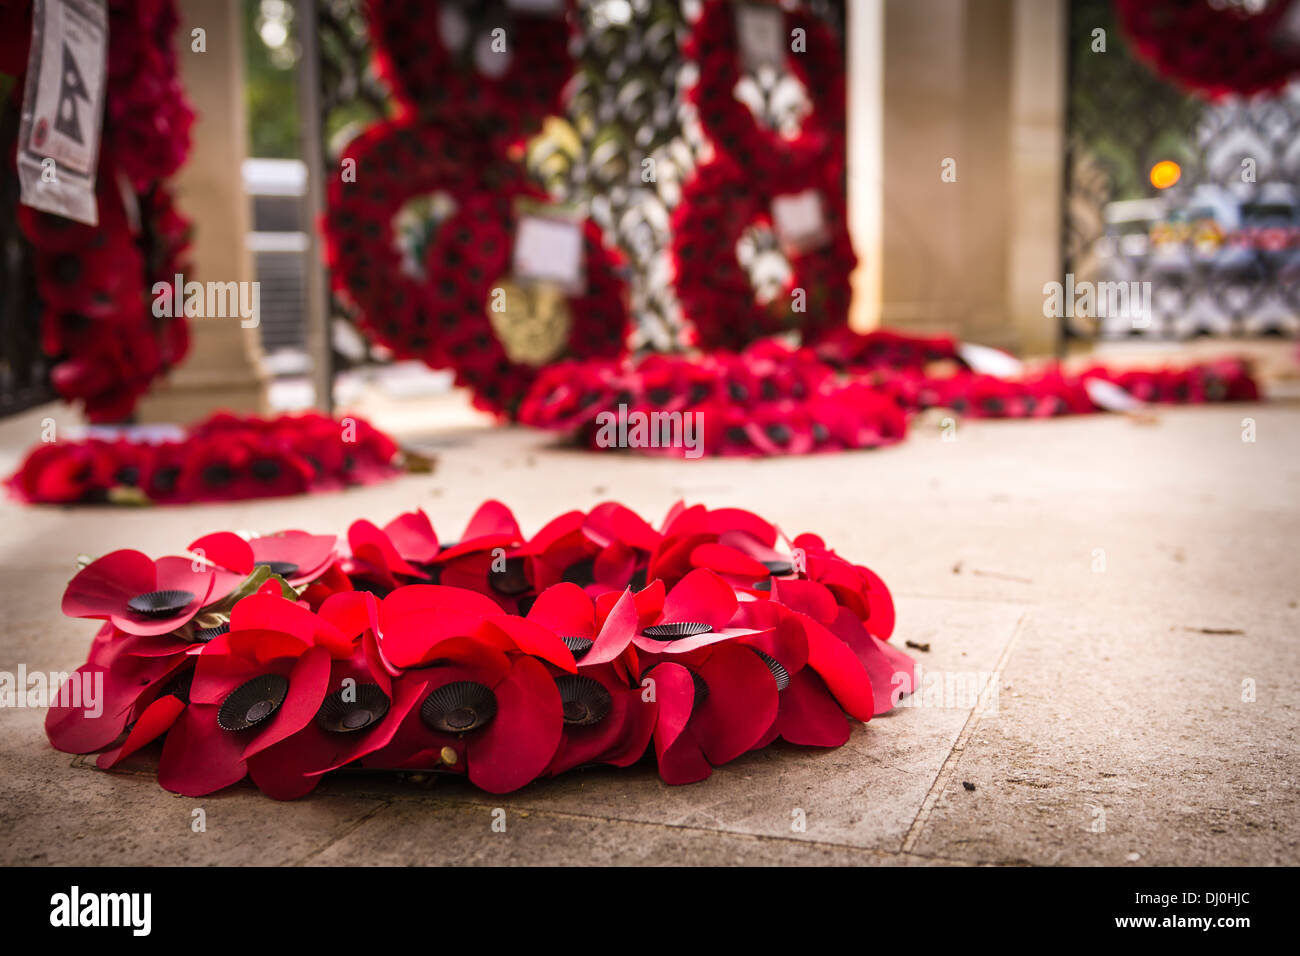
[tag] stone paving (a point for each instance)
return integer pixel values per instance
(1128, 591)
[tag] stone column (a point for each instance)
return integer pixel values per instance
(865, 64)
(974, 88)
(223, 369)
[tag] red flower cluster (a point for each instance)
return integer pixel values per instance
(148, 119)
(508, 91)
(718, 205)
(223, 458)
(1215, 49)
(753, 166)
(441, 316)
(93, 282)
(849, 391)
(472, 80)
(767, 400)
(772, 160)
(501, 657)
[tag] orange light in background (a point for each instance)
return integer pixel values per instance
(1165, 173)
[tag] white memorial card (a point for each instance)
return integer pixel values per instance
(760, 35)
(63, 107)
(799, 220)
(549, 249)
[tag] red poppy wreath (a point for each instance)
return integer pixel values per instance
(223, 458)
(435, 298)
(719, 206)
(501, 657)
(1215, 49)
(442, 58)
(771, 159)
(852, 391)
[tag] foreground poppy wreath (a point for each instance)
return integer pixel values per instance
(851, 391)
(223, 458)
(501, 656)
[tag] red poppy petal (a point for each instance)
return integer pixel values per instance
(415, 639)
(890, 670)
(808, 597)
(374, 547)
(620, 626)
(351, 612)
(680, 758)
(492, 518)
(809, 714)
(425, 597)
(519, 743)
(104, 586)
(610, 522)
(840, 668)
(566, 609)
(312, 553)
(726, 560)
(722, 520)
(199, 757)
(153, 723)
(741, 705)
(614, 565)
(881, 621)
(270, 612)
(413, 536)
(701, 596)
(226, 549)
(532, 639)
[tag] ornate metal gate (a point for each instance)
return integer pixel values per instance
(1218, 248)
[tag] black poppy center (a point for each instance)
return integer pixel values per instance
(701, 690)
(161, 603)
(352, 708)
(218, 474)
(512, 579)
(204, 635)
(579, 646)
(778, 568)
(459, 707)
(252, 702)
(283, 568)
(585, 701)
(581, 572)
(677, 630)
(265, 469)
(779, 673)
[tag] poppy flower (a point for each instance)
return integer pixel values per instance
(608, 718)
(499, 718)
(95, 703)
(489, 558)
(254, 686)
(296, 556)
(415, 621)
(139, 595)
(713, 707)
(363, 707)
